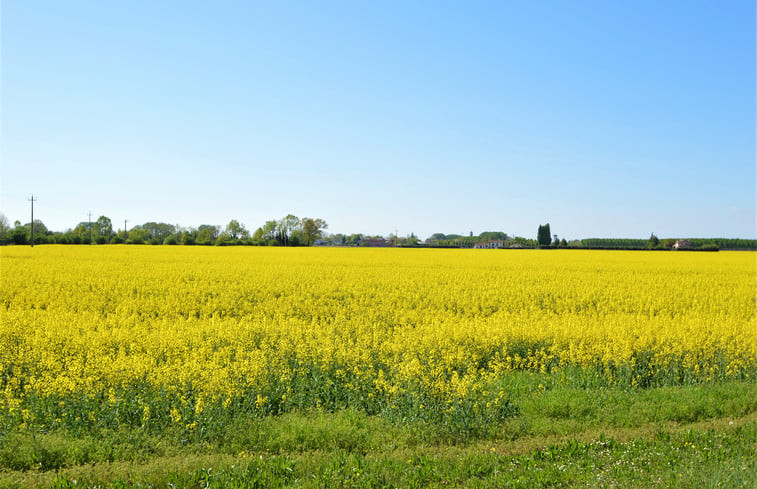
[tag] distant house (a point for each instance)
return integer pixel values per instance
(681, 244)
(517, 245)
(374, 242)
(491, 244)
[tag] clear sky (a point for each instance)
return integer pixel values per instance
(605, 119)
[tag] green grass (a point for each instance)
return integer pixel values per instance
(704, 456)
(701, 435)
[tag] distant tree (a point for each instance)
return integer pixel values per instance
(354, 239)
(5, 229)
(158, 231)
(207, 234)
(234, 230)
(188, 238)
(80, 233)
(493, 235)
(39, 228)
(289, 227)
(211, 230)
(543, 235)
(269, 229)
(22, 233)
(338, 239)
(709, 247)
(312, 229)
(103, 227)
(668, 243)
(121, 235)
(653, 241)
(19, 235)
(137, 236)
(563, 242)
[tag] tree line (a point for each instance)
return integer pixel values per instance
(294, 231)
(655, 243)
(441, 240)
(288, 231)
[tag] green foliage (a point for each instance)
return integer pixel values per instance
(103, 227)
(157, 231)
(723, 243)
(614, 243)
(312, 229)
(5, 230)
(655, 243)
(293, 231)
(19, 236)
(171, 240)
(235, 230)
(207, 234)
(544, 235)
(458, 241)
(493, 235)
(564, 437)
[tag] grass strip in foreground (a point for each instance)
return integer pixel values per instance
(713, 453)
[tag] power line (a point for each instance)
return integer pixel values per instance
(32, 200)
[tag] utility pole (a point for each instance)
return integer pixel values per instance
(32, 201)
(89, 215)
(125, 226)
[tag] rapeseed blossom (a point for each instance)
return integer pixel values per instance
(275, 329)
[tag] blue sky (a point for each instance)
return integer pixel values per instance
(605, 119)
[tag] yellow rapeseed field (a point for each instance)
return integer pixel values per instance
(169, 332)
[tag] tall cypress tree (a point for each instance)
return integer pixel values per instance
(543, 235)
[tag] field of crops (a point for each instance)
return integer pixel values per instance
(181, 343)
